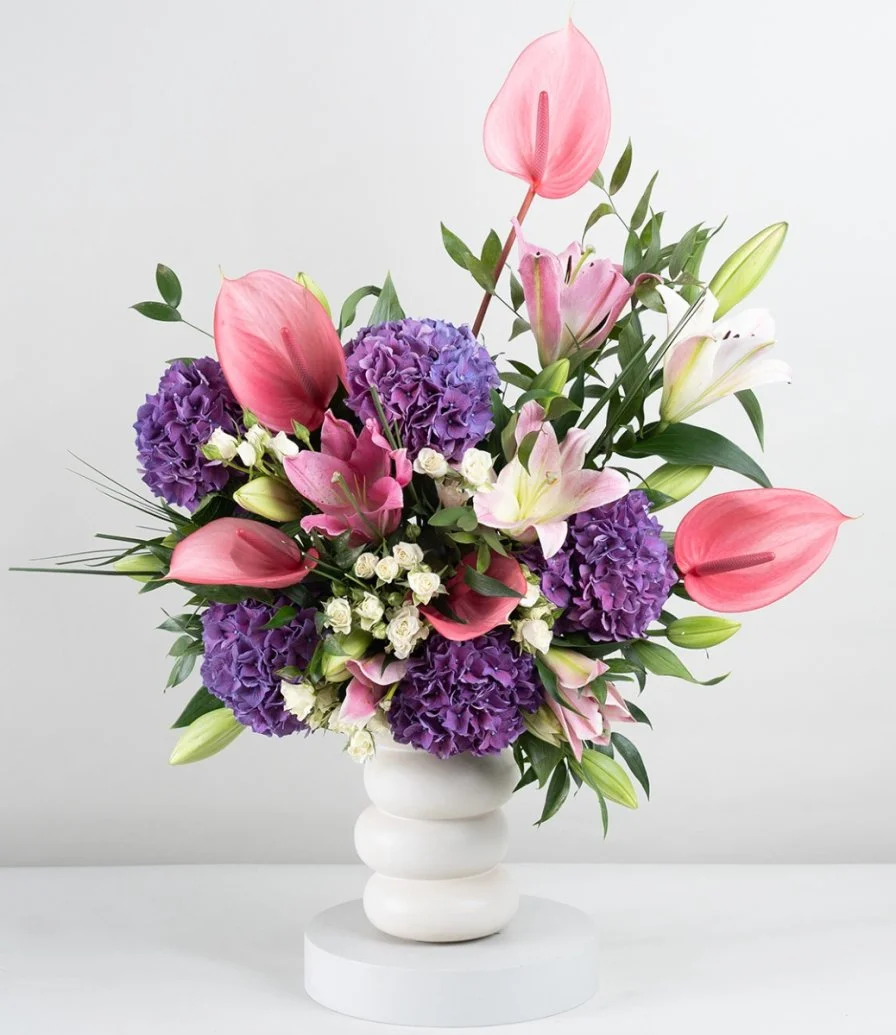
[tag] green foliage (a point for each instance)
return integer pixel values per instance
(387, 305)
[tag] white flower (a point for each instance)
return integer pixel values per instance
(369, 610)
(360, 745)
(281, 446)
(339, 614)
(534, 633)
(405, 629)
(387, 569)
(476, 468)
(531, 597)
(452, 493)
(431, 462)
(365, 566)
(298, 698)
(424, 585)
(408, 555)
(224, 443)
(248, 453)
(326, 702)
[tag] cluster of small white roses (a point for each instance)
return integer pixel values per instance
(251, 448)
(534, 618)
(319, 707)
(456, 483)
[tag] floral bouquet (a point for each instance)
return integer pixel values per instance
(382, 534)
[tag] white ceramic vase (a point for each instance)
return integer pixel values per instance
(435, 836)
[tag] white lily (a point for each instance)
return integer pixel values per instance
(709, 360)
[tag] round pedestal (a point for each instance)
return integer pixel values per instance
(542, 963)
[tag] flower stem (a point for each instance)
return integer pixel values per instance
(195, 328)
(502, 259)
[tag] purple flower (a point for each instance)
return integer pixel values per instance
(465, 696)
(242, 659)
(192, 400)
(434, 381)
(613, 574)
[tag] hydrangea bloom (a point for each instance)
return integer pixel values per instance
(466, 696)
(242, 659)
(613, 574)
(192, 400)
(433, 379)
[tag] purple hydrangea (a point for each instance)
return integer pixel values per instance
(192, 400)
(434, 381)
(613, 574)
(467, 696)
(242, 659)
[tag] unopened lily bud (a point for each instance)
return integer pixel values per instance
(700, 631)
(553, 378)
(140, 566)
(269, 498)
(544, 725)
(676, 481)
(354, 645)
(743, 270)
(206, 736)
(314, 288)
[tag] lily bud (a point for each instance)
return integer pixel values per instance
(352, 647)
(553, 378)
(742, 271)
(543, 725)
(676, 481)
(269, 498)
(700, 631)
(206, 736)
(312, 286)
(138, 566)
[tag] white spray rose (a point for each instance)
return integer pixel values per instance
(534, 633)
(298, 698)
(452, 493)
(476, 468)
(281, 446)
(360, 746)
(248, 453)
(431, 462)
(224, 443)
(339, 614)
(532, 594)
(408, 555)
(404, 630)
(369, 610)
(365, 566)
(387, 569)
(424, 585)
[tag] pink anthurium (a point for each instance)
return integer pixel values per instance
(572, 300)
(371, 678)
(550, 121)
(478, 613)
(356, 481)
(278, 349)
(743, 550)
(537, 502)
(239, 552)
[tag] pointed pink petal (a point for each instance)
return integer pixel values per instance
(311, 475)
(378, 670)
(360, 700)
(479, 614)
(588, 724)
(615, 709)
(372, 453)
(337, 438)
(572, 669)
(551, 536)
(796, 529)
(542, 278)
(403, 468)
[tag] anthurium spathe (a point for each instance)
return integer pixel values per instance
(550, 121)
(476, 612)
(708, 360)
(572, 299)
(742, 550)
(536, 502)
(278, 348)
(371, 678)
(239, 552)
(356, 481)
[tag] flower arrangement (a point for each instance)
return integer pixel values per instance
(381, 534)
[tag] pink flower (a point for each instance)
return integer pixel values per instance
(238, 552)
(572, 300)
(478, 613)
(356, 481)
(550, 122)
(371, 678)
(742, 550)
(537, 502)
(278, 349)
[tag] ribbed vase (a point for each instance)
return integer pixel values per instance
(435, 836)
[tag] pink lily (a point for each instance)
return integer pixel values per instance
(355, 480)
(537, 502)
(371, 678)
(278, 349)
(239, 552)
(550, 122)
(478, 614)
(742, 550)
(573, 301)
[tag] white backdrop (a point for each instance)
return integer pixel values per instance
(333, 137)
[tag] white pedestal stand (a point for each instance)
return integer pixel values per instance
(542, 963)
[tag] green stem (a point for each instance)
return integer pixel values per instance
(195, 328)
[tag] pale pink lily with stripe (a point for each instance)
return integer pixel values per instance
(371, 678)
(535, 503)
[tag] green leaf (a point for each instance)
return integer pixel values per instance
(689, 445)
(527, 777)
(350, 305)
(631, 258)
(491, 250)
(517, 380)
(158, 311)
(482, 274)
(682, 251)
(525, 448)
(283, 616)
(663, 662)
(750, 403)
(487, 586)
(181, 670)
(620, 173)
(200, 703)
(483, 557)
(517, 295)
(603, 209)
(650, 260)
(455, 247)
(604, 814)
(467, 522)
(182, 645)
(181, 624)
(447, 517)
(557, 793)
(520, 326)
(637, 714)
(387, 305)
(523, 368)
(632, 757)
(597, 178)
(543, 757)
(168, 285)
(640, 213)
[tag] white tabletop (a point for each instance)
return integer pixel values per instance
(721, 950)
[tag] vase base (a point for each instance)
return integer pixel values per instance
(543, 963)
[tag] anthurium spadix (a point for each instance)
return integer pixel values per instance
(708, 360)
(742, 550)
